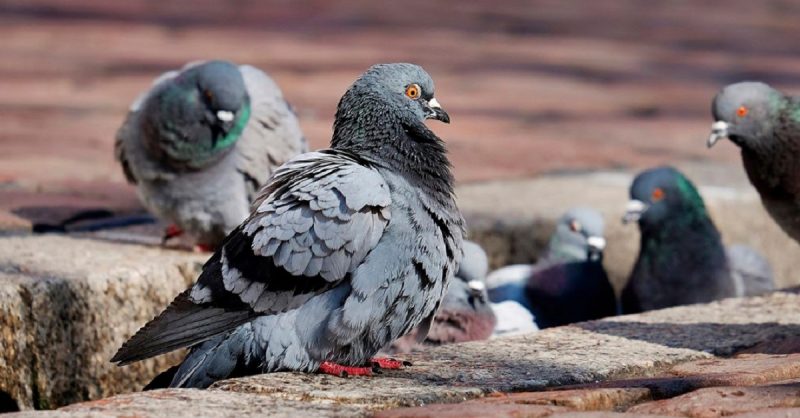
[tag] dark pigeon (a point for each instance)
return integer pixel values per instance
(346, 250)
(465, 313)
(568, 284)
(765, 124)
(202, 141)
(682, 259)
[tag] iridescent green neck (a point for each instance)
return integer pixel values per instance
(236, 131)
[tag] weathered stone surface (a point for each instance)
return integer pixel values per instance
(723, 401)
(742, 370)
(474, 410)
(71, 303)
(196, 403)
(772, 413)
(603, 414)
(644, 345)
(513, 220)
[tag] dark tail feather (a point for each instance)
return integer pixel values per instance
(182, 324)
(163, 380)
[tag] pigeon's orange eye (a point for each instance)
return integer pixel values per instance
(412, 91)
(657, 194)
(575, 226)
(741, 111)
(209, 95)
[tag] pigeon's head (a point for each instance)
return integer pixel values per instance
(579, 235)
(221, 92)
(199, 114)
(474, 265)
(745, 113)
(661, 195)
(385, 95)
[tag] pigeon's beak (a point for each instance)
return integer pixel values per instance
(719, 130)
(597, 244)
(634, 211)
(476, 288)
(225, 116)
(435, 111)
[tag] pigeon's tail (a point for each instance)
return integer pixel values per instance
(750, 271)
(219, 358)
(182, 324)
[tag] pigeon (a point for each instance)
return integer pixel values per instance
(465, 313)
(202, 141)
(346, 250)
(568, 284)
(682, 259)
(765, 124)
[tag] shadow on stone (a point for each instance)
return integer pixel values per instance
(7, 403)
(717, 338)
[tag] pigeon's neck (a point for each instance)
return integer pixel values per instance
(411, 150)
(693, 242)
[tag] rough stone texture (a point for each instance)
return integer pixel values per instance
(723, 401)
(474, 410)
(772, 413)
(513, 220)
(653, 344)
(197, 403)
(603, 414)
(68, 304)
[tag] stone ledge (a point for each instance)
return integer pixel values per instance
(68, 304)
(634, 346)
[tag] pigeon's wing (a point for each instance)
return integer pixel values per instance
(751, 272)
(272, 135)
(315, 222)
(126, 134)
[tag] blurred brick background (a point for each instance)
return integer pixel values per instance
(532, 86)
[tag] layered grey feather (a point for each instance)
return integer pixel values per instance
(750, 271)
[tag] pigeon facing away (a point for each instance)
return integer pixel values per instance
(346, 250)
(568, 284)
(202, 141)
(682, 259)
(465, 313)
(765, 124)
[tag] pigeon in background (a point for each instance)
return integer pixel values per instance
(765, 124)
(568, 284)
(346, 250)
(465, 313)
(681, 258)
(202, 141)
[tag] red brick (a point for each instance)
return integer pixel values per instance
(742, 370)
(723, 401)
(582, 400)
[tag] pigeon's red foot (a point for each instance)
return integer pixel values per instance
(388, 363)
(170, 232)
(331, 368)
(203, 248)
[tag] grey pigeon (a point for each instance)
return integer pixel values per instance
(765, 124)
(568, 284)
(346, 250)
(202, 141)
(465, 313)
(682, 259)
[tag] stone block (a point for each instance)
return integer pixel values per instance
(71, 303)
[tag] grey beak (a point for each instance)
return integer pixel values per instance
(719, 130)
(435, 111)
(634, 211)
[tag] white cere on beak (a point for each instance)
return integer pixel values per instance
(434, 104)
(598, 243)
(719, 130)
(225, 115)
(634, 210)
(476, 285)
